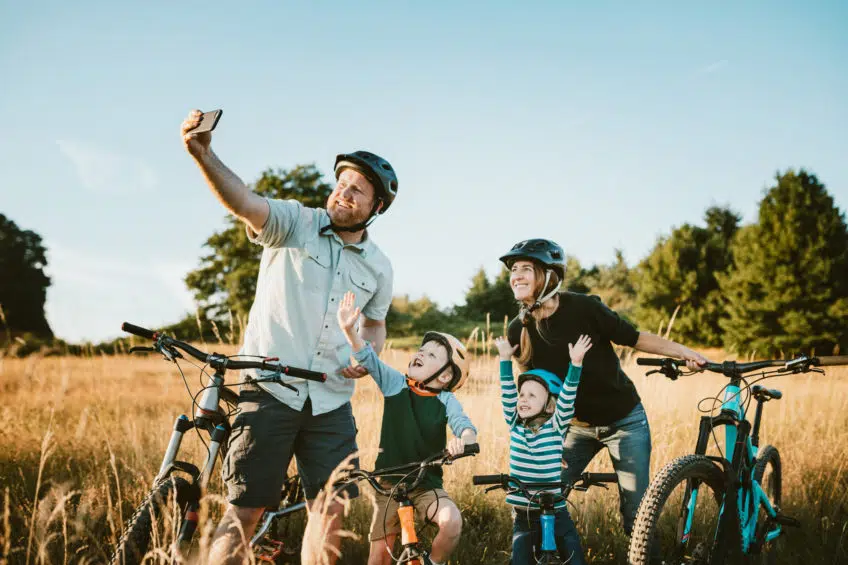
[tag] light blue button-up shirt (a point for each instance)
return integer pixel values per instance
(302, 277)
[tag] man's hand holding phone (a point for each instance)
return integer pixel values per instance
(197, 131)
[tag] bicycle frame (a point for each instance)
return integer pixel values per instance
(549, 553)
(738, 460)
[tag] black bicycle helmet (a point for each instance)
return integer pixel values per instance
(376, 169)
(544, 251)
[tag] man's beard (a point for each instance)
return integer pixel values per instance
(346, 217)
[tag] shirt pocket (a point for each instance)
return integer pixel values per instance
(318, 254)
(364, 285)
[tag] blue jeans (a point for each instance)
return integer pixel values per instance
(629, 444)
(527, 538)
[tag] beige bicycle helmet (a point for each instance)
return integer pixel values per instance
(458, 359)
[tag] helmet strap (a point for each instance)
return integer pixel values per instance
(541, 412)
(542, 299)
(434, 376)
(360, 226)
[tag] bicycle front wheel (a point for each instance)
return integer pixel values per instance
(155, 523)
(678, 518)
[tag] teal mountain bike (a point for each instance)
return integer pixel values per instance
(708, 510)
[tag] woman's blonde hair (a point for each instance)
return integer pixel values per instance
(524, 314)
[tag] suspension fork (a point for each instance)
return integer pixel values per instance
(181, 426)
(190, 518)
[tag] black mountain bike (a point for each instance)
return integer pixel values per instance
(181, 484)
(709, 510)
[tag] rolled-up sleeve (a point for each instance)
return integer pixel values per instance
(378, 307)
(285, 217)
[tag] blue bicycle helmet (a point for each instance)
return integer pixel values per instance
(546, 378)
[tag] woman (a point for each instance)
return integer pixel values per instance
(609, 412)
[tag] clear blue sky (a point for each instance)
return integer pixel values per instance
(600, 126)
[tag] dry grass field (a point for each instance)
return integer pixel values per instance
(82, 438)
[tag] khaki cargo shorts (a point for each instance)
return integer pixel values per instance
(385, 521)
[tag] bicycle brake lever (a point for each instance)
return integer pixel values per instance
(652, 372)
(280, 382)
(169, 353)
(140, 349)
(490, 489)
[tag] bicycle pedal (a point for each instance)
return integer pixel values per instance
(785, 520)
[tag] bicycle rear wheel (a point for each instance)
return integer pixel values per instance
(155, 523)
(678, 518)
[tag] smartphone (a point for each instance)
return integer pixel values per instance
(208, 121)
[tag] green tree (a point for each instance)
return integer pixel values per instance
(614, 284)
(23, 284)
(411, 317)
(681, 272)
(577, 279)
(788, 290)
(485, 297)
(226, 279)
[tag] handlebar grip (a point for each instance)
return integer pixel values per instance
(137, 330)
(472, 449)
(649, 361)
(601, 477)
(306, 374)
(487, 479)
(832, 360)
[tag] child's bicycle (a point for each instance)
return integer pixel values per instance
(411, 552)
(548, 553)
(183, 483)
(727, 506)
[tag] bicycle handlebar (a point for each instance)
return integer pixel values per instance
(217, 361)
(137, 330)
(670, 367)
(508, 481)
(437, 460)
(823, 361)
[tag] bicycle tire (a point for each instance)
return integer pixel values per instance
(768, 457)
(646, 548)
(135, 539)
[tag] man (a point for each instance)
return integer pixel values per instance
(310, 258)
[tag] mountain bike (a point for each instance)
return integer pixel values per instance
(548, 553)
(180, 484)
(706, 510)
(412, 551)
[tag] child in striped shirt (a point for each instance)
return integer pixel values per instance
(538, 414)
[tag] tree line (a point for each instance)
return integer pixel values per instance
(776, 285)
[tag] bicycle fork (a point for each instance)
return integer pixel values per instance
(200, 478)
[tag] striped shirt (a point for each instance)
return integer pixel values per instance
(536, 456)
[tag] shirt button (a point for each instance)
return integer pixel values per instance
(319, 353)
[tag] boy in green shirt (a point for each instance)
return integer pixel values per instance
(416, 408)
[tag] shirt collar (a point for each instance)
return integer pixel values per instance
(362, 247)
